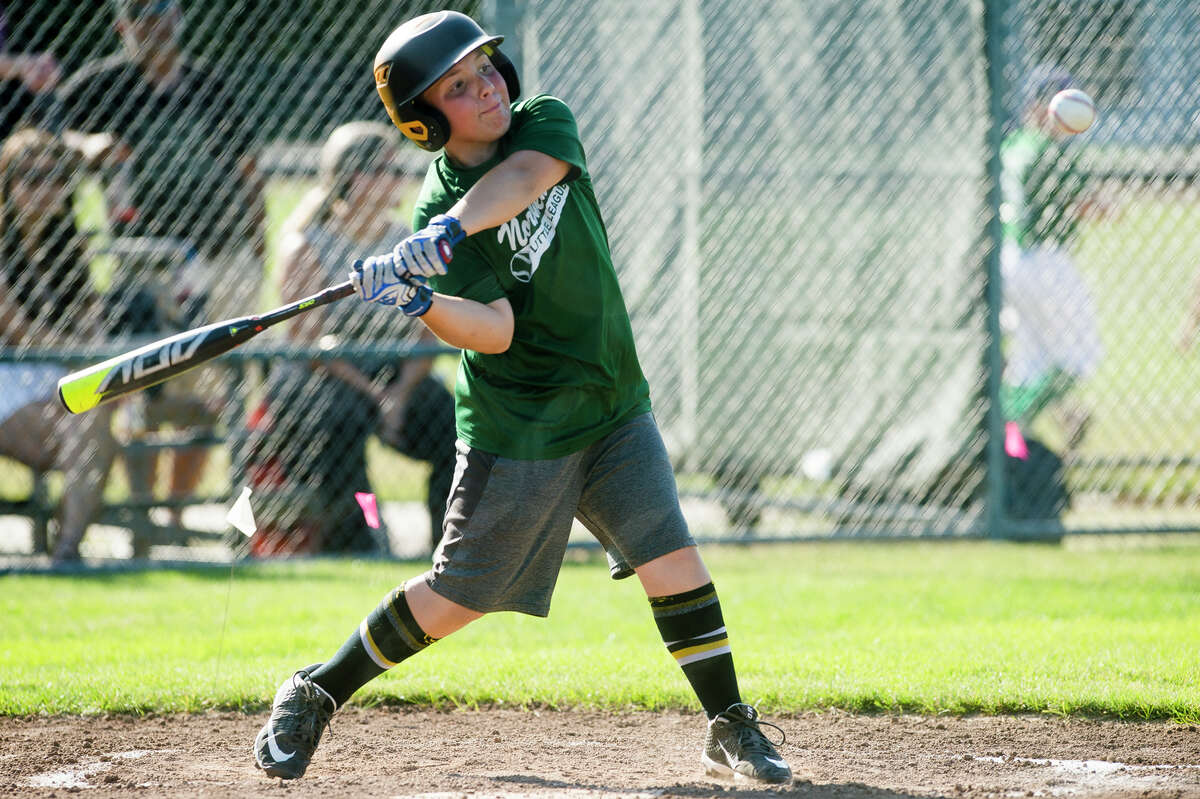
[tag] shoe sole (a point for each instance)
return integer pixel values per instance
(714, 769)
(270, 771)
(721, 771)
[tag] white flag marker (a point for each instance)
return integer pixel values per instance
(240, 515)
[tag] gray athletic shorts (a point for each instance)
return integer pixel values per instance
(507, 521)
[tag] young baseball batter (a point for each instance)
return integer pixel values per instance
(553, 412)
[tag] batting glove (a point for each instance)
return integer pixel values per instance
(379, 280)
(429, 250)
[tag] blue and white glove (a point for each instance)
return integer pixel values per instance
(378, 279)
(428, 251)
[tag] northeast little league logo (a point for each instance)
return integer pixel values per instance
(532, 232)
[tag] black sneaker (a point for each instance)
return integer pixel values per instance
(736, 748)
(301, 711)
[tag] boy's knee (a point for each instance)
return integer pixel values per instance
(437, 615)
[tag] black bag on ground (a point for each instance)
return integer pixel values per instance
(1035, 487)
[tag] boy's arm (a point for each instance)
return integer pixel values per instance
(460, 322)
(471, 325)
(507, 189)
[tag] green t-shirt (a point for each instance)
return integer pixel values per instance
(1040, 187)
(572, 374)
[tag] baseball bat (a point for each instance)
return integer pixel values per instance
(153, 363)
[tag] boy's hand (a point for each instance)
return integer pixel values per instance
(379, 279)
(428, 251)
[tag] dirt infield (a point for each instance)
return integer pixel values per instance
(509, 753)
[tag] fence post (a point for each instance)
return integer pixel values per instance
(993, 55)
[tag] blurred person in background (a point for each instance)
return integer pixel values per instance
(180, 170)
(27, 82)
(309, 439)
(1050, 316)
(46, 297)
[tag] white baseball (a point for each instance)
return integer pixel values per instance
(1072, 110)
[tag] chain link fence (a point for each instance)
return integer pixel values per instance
(874, 295)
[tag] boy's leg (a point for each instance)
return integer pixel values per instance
(410, 618)
(688, 614)
(631, 504)
(693, 628)
(531, 502)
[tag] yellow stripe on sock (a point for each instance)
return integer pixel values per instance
(701, 648)
(364, 634)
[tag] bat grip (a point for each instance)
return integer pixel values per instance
(338, 291)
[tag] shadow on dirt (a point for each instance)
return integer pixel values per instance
(849, 790)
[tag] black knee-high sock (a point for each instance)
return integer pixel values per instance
(388, 635)
(693, 629)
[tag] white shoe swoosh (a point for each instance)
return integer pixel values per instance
(277, 754)
(780, 763)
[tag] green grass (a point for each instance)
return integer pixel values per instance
(924, 627)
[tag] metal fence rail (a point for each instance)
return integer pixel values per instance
(858, 315)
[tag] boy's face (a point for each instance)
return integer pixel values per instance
(474, 97)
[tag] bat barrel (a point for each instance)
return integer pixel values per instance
(152, 364)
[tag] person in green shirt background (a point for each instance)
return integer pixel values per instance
(510, 262)
(1049, 314)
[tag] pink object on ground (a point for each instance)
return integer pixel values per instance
(1014, 442)
(369, 508)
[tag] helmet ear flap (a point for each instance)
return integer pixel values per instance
(423, 125)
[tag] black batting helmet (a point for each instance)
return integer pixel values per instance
(419, 52)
